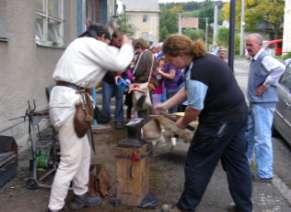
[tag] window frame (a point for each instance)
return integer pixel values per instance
(3, 20)
(49, 19)
(145, 18)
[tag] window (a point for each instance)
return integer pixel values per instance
(286, 78)
(49, 23)
(96, 11)
(145, 18)
(3, 23)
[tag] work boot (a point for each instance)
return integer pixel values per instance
(261, 180)
(84, 201)
(231, 207)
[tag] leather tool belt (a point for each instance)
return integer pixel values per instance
(84, 110)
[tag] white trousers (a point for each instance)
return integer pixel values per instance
(74, 166)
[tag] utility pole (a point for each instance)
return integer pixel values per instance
(215, 23)
(231, 34)
(179, 24)
(242, 28)
(206, 32)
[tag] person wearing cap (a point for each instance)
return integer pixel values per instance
(82, 65)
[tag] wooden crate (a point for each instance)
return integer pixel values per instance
(132, 175)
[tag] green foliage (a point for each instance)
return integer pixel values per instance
(194, 13)
(223, 39)
(269, 12)
(169, 15)
(222, 36)
(236, 43)
(286, 56)
(169, 21)
(266, 15)
(194, 34)
(206, 10)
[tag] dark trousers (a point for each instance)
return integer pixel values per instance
(225, 141)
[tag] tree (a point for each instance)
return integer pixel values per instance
(194, 34)
(124, 26)
(222, 36)
(270, 13)
(260, 15)
(169, 20)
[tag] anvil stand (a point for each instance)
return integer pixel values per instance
(132, 167)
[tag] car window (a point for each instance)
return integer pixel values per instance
(286, 78)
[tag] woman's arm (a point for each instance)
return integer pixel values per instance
(178, 98)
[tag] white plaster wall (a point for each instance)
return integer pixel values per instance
(287, 28)
(25, 68)
(151, 26)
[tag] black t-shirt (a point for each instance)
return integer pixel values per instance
(224, 99)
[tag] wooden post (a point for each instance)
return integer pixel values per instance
(132, 172)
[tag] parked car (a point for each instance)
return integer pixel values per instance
(282, 117)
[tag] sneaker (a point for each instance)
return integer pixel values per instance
(262, 180)
(84, 201)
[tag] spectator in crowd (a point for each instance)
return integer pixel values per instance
(264, 74)
(214, 96)
(142, 72)
(110, 89)
(221, 53)
(144, 62)
(172, 79)
(158, 80)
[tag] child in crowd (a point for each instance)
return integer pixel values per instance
(158, 79)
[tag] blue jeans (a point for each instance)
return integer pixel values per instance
(259, 138)
(108, 91)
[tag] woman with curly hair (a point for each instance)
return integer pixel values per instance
(215, 98)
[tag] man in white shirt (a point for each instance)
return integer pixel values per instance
(82, 65)
(264, 74)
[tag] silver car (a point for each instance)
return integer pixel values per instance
(282, 117)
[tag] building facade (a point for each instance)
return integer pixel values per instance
(33, 35)
(144, 16)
